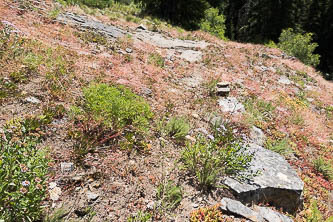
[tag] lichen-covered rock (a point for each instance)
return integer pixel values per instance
(276, 183)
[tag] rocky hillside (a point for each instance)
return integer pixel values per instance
(241, 132)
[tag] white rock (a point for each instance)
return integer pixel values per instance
(55, 193)
(92, 196)
(33, 100)
(231, 104)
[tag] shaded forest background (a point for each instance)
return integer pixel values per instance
(257, 21)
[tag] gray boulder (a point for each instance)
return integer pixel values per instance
(257, 214)
(276, 184)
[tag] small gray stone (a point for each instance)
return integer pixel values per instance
(128, 50)
(147, 91)
(284, 80)
(92, 196)
(66, 167)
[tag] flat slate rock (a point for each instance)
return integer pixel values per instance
(257, 214)
(277, 183)
(86, 23)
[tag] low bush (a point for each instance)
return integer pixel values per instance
(299, 45)
(108, 112)
(116, 106)
(23, 171)
(207, 159)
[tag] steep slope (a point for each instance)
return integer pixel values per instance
(288, 101)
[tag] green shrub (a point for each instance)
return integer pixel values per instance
(299, 45)
(207, 159)
(213, 23)
(177, 127)
(109, 112)
(324, 167)
(169, 194)
(117, 107)
(23, 171)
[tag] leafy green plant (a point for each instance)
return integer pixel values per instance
(117, 107)
(109, 112)
(156, 59)
(213, 23)
(140, 217)
(207, 214)
(177, 127)
(23, 171)
(279, 146)
(299, 45)
(169, 194)
(324, 167)
(209, 158)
